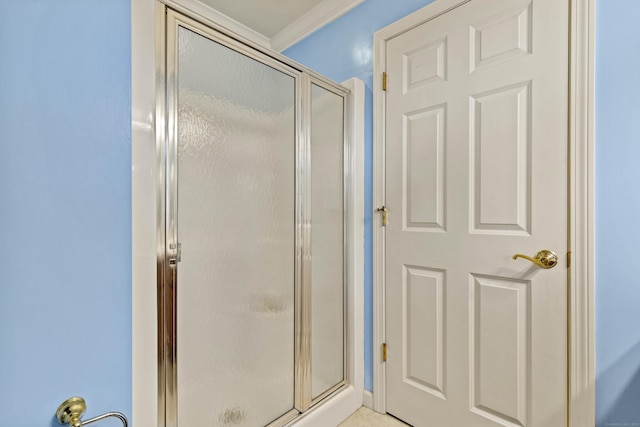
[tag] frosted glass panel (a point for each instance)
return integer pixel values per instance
(327, 287)
(235, 290)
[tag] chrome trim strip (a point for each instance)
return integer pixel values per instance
(303, 242)
(313, 78)
(347, 209)
(171, 279)
(290, 416)
(329, 392)
(346, 231)
(160, 135)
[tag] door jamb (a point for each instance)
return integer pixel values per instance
(581, 339)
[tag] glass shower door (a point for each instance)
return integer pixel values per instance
(234, 157)
(327, 241)
(252, 277)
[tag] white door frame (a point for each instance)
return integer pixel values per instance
(581, 338)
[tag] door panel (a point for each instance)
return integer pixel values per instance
(424, 173)
(327, 240)
(236, 225)
(501, 201)
(476, 171)
(424, 319)
(500, 347)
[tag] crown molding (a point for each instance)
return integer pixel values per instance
(321, 15)
(317, 17)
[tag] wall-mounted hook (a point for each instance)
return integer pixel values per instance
(71, 410)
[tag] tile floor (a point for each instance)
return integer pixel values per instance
(365, 417)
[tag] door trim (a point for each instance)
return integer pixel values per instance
(581, 330)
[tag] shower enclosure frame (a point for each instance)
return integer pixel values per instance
(168, 18)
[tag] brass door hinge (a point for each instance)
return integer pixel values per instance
(384, 80)
(569, 259)
(384, 352)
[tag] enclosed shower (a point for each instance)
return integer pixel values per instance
(252, 267)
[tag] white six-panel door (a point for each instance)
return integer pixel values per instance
(476, 171)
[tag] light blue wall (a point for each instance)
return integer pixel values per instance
(65, 175)
(617, 212)
(65, 210)
(341, 50)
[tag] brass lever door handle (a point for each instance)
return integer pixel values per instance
(544, 259)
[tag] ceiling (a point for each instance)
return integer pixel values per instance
(267, 17)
